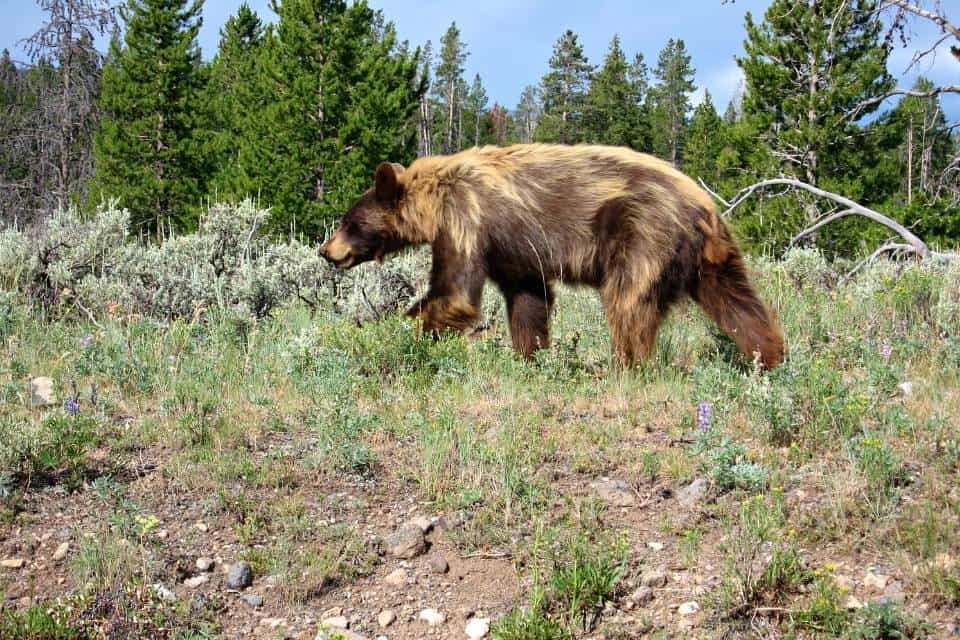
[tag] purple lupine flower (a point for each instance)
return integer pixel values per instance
(72, 406)
(886, 350)
(86, 341)
(704, 413)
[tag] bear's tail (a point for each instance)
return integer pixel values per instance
(725, 293)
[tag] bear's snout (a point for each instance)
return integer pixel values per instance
(337, 252)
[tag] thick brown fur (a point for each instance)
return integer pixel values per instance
(528, 216)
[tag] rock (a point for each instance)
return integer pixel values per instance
(240, 576)
(332, 612)
(407, 542)
(654, 579)
(205, 564)
(432, 617)
(875, 582)
(273, 623)
(438, 565)
(196, 581)
(13, 563)
(252, 600)
(617, 493)
(386, 618)
(41, 392)
(477, 628)
(61, 552)
(336, 622)
(201, 527)
(199, 602)
(688, 608)
(423, 523)
(852, 603)
(641, 596)
(397, 578)
(905, 389)
(655, 546)
(163, 593)
(894, 593)
(694, 493)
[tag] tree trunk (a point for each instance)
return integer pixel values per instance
(910, 161)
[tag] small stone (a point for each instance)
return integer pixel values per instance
(201, 527)
(252, 600)
(332, 612)
(407, 542)
(205, 564)
(641, 596)
(655, 546)
(617, 493)
(694, 493)
(432, 617)
(688, 608)
(240, 576)
(61, 552)
(13, 563)
(894, 593)
(397, 578)
(875, 582)
(423, 523)
(335, 622)
(654, 579)
(905, 389)
(852, 603)
(164, 593)
(41, 392)
(386, 618)
(438, 564)
(196, 581)
(477, 628)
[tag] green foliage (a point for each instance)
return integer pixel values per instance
(705, 142)
(670, 100)
(585, 580)
(528, 625)
(885, 621)
(564, 92)
(39, 622)
(149, 152)
(612, 112)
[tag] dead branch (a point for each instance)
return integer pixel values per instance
(852, 208)
(939, 20)
(890, 247)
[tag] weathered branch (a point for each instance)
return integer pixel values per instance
(916, 245)
(936, 18)
(857, 110)
(890, 247)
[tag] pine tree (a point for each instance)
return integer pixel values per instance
(564, 92)
(448, 85)
(704, 142)
(148, 152)
(612, 110)
(230, 96)
(528, 114)
(808, 65)
(639, 76)
(476, 109)
(671, 100)
(334, 94)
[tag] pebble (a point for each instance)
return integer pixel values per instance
(205, 564)
(407, 542)
(61, 552)
(654, 579)
(41, 392)
(694, 493)
(641, 596)
(163, 593)
(386, 618)
(655, 546)
(688, 608)
(196, 581)
(614, 492)
(397, 578)
(875, 582)
(201, 527)
(477, 628)
(438, 564)
(253, 600)
(852, 603)
(336, 622)
(432, 617)
(240, 576)
(13, 563)
(423, 523)
(905, 389)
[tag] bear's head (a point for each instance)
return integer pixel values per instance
(370, 229)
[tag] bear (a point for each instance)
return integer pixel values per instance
(529, 216)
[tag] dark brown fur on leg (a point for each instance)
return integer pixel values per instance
(439, 313)
(529, 320)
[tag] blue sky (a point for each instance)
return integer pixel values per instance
(510, 41)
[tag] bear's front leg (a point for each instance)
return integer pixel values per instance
(456, 289)
(439, 313)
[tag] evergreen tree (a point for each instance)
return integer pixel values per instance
(528, 114)
(704, 142)
(639, 76)
(476, 109)
(671, 100)
(334, 94)
(449, 84)
(148, 152)
(564, 92)
(230, 95)
(612, 109)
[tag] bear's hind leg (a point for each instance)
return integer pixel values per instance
(529, 313)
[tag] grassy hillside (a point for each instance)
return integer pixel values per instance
(693, 497)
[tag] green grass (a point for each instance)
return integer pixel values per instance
(259, 420)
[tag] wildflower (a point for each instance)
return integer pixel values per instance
(72, 406)
(886, 350)
(86, 341)
(704, 413)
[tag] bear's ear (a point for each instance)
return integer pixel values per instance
(387, 182)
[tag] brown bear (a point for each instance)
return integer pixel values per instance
(528, 216)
